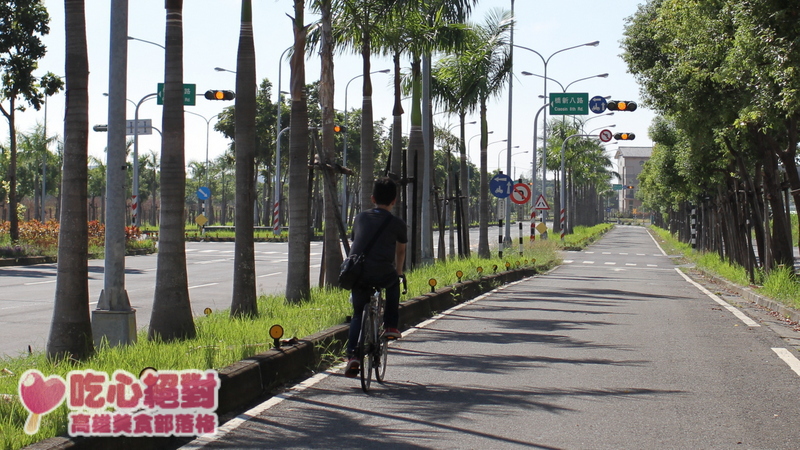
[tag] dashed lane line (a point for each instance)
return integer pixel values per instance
(788, 358)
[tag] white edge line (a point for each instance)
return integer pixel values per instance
(231, 425)
(788, 358)
(742, 316)
(656, 242)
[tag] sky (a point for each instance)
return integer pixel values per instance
(211, 29)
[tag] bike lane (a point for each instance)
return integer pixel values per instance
(613, 349)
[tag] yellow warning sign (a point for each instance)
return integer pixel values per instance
(541, 228)
(201, 220)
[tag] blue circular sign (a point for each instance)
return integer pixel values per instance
(598, 104)
(501, 185)
(203, 193)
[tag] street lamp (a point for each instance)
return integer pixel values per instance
(135, 186)
(600, 128)
(545, 61)
(501, 152)
(220, 69)
(131, 38)
(276, 229)
(564, 88)
(208, 122)
(344, 151)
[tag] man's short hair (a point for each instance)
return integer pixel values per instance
(384, 191)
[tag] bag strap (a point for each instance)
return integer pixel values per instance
(378, 233)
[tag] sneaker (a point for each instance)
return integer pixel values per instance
(351, 371)
(392, 333)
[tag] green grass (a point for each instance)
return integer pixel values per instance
(780, 285)
(222, 341)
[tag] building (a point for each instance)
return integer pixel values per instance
(630, 161)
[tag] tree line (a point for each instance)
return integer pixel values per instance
(723, 76)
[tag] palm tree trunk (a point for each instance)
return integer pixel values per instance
(71, 329)
(483, 236)
(367, 128)
(244, 298)
(298, 278)
(172, 311)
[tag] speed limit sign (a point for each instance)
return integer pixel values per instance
(606, 135)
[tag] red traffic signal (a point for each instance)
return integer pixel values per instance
(624, 136)
(220, 95)
(621, 105)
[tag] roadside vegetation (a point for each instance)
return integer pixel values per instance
(222, 340)
(780, 284)
(41, 239)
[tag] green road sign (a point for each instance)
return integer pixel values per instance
(617, 187)
(189, 91)
(569, 104)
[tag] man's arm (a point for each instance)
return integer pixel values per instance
(399, 257)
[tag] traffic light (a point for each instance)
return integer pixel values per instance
(338, 129)
(220, 95)
(624, 136)
(620, 105)
(630, 186)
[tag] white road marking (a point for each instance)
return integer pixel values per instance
(38, 282)
(213, 261)
(611, 264)
(623, 253)
(788, 358)
(652, 265)
(270, 274)
(630, 264)
(588, 262)
(208, 251)
(568, 261)
(742, 316)
(231, 425)
(203, 285)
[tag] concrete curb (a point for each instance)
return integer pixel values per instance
(751, 296)
(245, 381)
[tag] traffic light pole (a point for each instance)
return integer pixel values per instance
(563, 216)
(135, 187)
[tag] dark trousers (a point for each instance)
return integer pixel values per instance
(360, 297)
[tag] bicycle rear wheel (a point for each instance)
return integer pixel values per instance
(367, 347)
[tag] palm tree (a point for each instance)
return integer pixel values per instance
(71, 328)
(298, 278)
(488, 56)
(334, 227)
(172, 312)
(244, 262)
(426, 26)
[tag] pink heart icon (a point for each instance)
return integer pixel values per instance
(40, 395)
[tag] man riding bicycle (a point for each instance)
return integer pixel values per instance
(383, 264)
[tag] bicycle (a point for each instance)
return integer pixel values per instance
(372, 346)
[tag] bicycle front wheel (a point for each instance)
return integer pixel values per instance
(382, 358)
(367, 346)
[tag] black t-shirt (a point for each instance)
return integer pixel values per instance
(379, 264)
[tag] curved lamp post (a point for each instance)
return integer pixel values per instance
(545, 62)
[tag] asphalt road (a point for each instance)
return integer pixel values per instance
(613, 349)
(27, 292)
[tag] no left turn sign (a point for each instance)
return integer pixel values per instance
(606, 135)
(521, 193)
